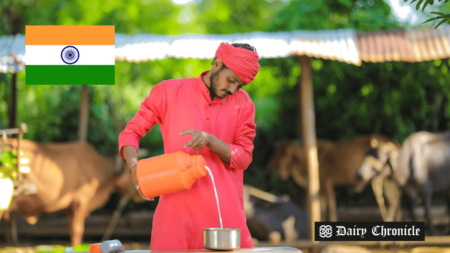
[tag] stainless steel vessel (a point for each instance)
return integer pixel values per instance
(222, 238)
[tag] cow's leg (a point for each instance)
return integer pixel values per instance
(69, 216)
(331, 200)
(290, 234)
(447, 199)
(411, 194)
(11, 224)
(76, 221)
(428, 194)
(1, 214)
(393, 196)
(275, 237)
(377, 187)
(14, 228)
(7, 228)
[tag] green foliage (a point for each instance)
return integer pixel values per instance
(331, 14)
(236, 16)
(134, 16)
(438, 15)
(395, 99)
(8, 161)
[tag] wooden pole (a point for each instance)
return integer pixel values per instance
(309, 142)
(13, 107)
(116, 216)
(84, 114)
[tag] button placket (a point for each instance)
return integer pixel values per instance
(208, 109)
(207, 118)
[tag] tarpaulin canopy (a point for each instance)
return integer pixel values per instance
(344, 45)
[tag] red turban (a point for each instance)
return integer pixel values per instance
(241, 61)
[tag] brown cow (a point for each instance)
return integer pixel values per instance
(73, 177)
(338, 162)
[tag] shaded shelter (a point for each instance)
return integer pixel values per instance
(345, 45)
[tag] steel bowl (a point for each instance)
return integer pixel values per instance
(222, 238)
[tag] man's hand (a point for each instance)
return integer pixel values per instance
(199, 139)
(136, 185)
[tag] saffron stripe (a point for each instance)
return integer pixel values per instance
(69, 35)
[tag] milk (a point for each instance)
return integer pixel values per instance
(217, 198)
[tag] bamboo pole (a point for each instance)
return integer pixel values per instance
(309, 142)
(22, 129)
(84, 114)
(13, 107)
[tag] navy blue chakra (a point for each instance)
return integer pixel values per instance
(70, 55)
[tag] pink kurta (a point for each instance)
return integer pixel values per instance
(186, 104)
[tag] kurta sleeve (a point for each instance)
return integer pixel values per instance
(242, 147)
(152, 112)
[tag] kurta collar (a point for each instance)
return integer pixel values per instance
(205, 91)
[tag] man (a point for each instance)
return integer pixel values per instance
(212, 115)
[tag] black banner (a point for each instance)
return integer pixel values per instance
(369, 231)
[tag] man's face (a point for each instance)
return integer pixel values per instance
(224, 82)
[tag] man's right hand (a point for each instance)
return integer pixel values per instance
(136, 185)
(130, 154)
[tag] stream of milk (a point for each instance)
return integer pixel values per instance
(217, 198)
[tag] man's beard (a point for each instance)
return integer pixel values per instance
(213, 83)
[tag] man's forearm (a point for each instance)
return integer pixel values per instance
(221, 148)
(130, 154)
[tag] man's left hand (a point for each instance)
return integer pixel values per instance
(199, 139)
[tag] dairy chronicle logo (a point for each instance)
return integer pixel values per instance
(325, 231)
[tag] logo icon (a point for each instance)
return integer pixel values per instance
(325, 231)
(70, 55)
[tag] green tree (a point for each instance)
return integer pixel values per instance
(395, 99)
(438, 15)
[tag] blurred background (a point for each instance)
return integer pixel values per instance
(394, 98)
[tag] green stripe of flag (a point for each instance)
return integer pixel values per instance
(70, 74)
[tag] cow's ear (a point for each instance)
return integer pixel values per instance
(119, 164)
(374, 143)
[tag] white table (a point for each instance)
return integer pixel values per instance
(256, 249)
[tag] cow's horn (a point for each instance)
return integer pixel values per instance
(374, 143)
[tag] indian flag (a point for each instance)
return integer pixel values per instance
(69, 55)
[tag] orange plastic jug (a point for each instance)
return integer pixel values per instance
(169, 173)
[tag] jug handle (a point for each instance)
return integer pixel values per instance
(187, 149)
